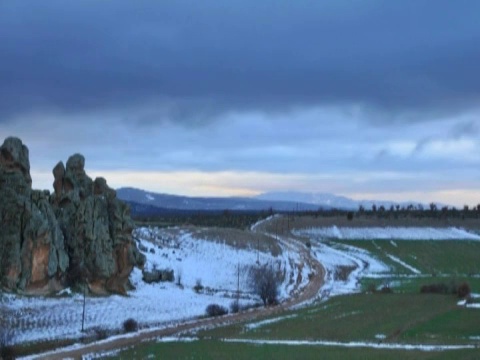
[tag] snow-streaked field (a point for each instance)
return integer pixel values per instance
(220, 269)
(216, 265)
(334, 255)
(353, 344)
(389, 233)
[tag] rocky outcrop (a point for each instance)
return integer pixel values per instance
(32, 251)
(81, 231)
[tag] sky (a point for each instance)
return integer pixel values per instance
(367, 99)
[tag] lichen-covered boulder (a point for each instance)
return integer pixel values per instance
(32, 254)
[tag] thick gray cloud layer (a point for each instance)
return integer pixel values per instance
(229, 97)
(198, 58)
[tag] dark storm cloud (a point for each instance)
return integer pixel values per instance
(197, 58)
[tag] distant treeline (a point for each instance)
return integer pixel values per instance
(241, 219)
(410, 211)
(227, 218)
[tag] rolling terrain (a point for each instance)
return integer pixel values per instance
(347, 295)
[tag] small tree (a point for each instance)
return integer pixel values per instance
(130, 325)
(264, 281)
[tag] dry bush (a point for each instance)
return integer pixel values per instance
(101, 333)
(216, 310)
(235, 307)
(130, 325)
(198, 286)
(265, 281)
(440, 288)
(386, 290)
(463, 290)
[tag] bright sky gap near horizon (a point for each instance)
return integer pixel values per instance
(368, 99)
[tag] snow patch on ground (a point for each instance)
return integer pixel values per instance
(404, 264)
(464, 303)
(167, 339)
(389, 233)
(353, 344)
(216, 265)
(334, 255)
(258, 324)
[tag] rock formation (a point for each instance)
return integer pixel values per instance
(81, 231)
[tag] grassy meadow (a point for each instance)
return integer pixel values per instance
(401, 318)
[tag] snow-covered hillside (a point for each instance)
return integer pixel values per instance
(214, 264)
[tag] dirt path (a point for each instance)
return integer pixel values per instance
(309, 292)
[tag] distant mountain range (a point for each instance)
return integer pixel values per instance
(143, 202)
(330, 200)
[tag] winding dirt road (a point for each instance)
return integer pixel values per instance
(298, 296)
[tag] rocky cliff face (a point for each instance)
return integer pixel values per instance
(80, 231)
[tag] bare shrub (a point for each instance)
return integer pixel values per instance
(264, 281)
(100, 333)
(463, 290)
(440, 288)
(198, 286)
(235, 307)
(386, 290)
(216, 310)
(130, 325)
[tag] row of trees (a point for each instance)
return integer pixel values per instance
(433, 207)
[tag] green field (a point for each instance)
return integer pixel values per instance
(461, 257)
(400, 318)
(404, 317)
(215, 349)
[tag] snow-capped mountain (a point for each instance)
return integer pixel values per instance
(152, 200)
(146, 201)
(330, 200)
